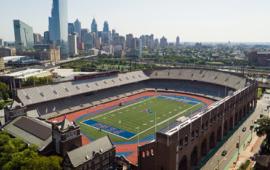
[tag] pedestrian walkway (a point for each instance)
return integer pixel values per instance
(249, 149)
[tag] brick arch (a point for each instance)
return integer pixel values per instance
(183, 164)
(225, 128)
(194, 157)
(231, 123)
(204, 148)
(212, 140)
(219, 134)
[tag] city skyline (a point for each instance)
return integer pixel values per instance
(211, 21)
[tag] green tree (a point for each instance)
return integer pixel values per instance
(4, 91)
(16, 155)
(263, 128)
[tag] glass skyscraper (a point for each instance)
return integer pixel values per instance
(24, 37)
(106, 27)
(94, 26)
(58, 26)
(78, 28)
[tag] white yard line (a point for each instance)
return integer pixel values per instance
(114, 110)
(134, 104)
(165, 120)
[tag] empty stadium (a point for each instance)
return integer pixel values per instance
(138, 107)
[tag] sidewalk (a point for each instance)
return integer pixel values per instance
(248, 150)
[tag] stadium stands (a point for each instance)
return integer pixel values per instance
(208, 76)
(71, 96)
(34, 95)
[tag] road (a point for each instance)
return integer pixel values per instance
(220, 162)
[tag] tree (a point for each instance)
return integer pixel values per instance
(263, 128)
(4, 91)
(16, 155)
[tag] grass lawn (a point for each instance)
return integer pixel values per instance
(139, 118)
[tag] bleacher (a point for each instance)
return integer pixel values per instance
(208, 76)
(71, 96)
(40, 94)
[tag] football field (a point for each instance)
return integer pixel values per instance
(139, 119)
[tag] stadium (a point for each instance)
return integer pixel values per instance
(162, 111)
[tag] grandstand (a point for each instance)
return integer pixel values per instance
(70, 96)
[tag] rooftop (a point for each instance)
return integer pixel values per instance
(87, 152)
(31, 131)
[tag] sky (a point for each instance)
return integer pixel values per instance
(192, 20)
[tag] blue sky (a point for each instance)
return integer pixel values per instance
(192, 20)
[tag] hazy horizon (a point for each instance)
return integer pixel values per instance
(193, 21)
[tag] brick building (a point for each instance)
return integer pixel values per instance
(183, 146)
(99, 155)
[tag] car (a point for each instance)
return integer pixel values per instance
(224, 153)
(244, 129)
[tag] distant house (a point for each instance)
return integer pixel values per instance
(98, 155)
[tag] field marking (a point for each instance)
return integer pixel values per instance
(166, 120)
(145, 102)
(181, 100)
(107, 131)
(114, 110)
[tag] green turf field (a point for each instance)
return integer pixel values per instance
(139, 118)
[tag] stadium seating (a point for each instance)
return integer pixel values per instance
(75, 95)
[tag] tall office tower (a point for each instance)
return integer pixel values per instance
(78, 28)
(163, 42)
(129, 39)
(24, 38)
(156, 43)
(84, 33)
(94, 26)
(38, 39)
(106, 27)
(177, 41)
(1, 42)
(72, 40)
(58, 26)
(71, 28)
(46, 37)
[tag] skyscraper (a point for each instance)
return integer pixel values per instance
(46, 39)
(78, 28)
(163, 42)
(177, 41)
(106, 27)
(58, 26)
(37, 38)
(24, 37)
(72, 40)
(94, 26)
(71, 28)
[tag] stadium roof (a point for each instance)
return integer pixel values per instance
(31, 131)
(29, 73)
(34, 95)
(87, 152)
